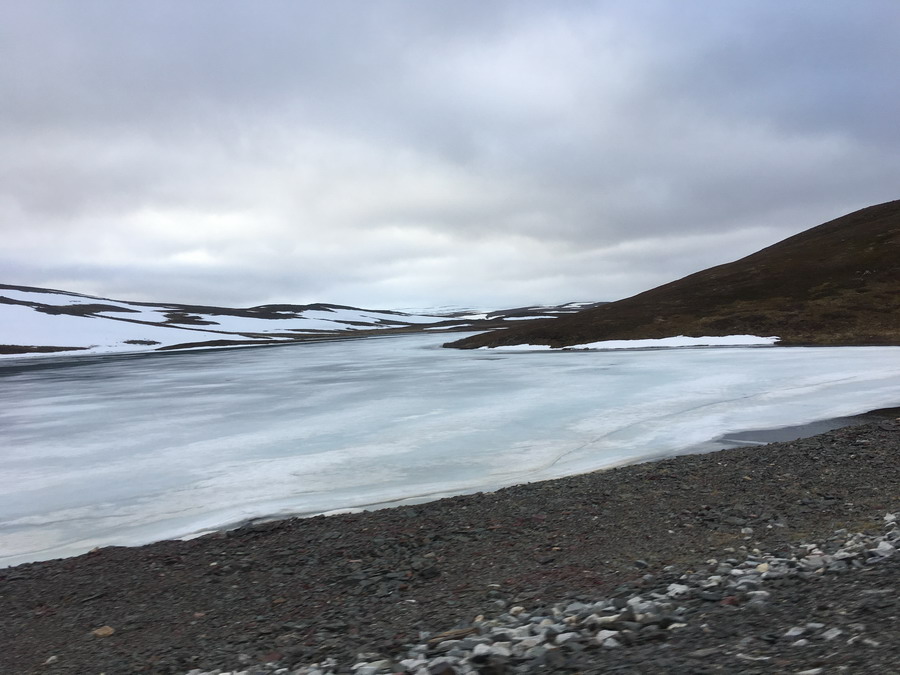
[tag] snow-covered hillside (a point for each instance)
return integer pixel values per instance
(40, 320)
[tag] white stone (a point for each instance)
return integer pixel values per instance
(562, 638)
(831, 633)
(444, 659)
(604, 635)
(748, 657)
(521, 632)
(677, 590)
(501, 649)
(884, 549)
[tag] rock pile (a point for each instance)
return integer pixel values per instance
(582, 634)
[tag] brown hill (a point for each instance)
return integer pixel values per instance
(835, 284)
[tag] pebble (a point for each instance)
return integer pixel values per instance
(547, 638)
(677, 590)
(603, 635)
(562, 638)
(884, 549)
(832, 633)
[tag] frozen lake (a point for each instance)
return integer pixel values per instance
(119, 449)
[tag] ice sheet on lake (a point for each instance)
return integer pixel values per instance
(130, 449)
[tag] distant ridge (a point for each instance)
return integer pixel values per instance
(835, 284)
(47, 321)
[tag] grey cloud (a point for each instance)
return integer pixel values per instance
(489, 149)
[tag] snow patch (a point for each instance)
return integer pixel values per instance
(654, 343)
(24, 326)
(453, 325)
(111, 330)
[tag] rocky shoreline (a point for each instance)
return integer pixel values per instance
(633, 630)
(381, 590)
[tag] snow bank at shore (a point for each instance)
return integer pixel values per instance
(656, 343)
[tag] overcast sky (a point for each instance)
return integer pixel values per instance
(410, 154)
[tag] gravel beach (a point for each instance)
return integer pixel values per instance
(384, 591)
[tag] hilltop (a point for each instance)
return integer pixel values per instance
(835, 284)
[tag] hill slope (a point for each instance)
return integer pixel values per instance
(40, 320)
(835, 284)
(45, 321)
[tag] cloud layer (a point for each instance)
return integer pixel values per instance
(403, 154)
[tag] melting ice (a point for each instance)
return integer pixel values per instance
(100, 450)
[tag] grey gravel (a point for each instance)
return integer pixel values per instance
(567, 636)
(364, 588)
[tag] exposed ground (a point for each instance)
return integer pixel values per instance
(296, 591)
(835, 284)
